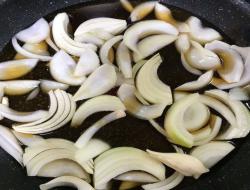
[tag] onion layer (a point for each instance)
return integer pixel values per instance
(142, 10)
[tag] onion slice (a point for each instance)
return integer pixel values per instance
(104, 51)
(146, 28)
(124, 159)
(232, 67)
(150, 86)
(28, 139)
(188, 66)
(201, 82)
(127, 5)
(35, 33)
(33, 94)
(90, 132)
(89, 38)
(241, 94)
(19, 87)
(62, 67)
(142, 10)
(243, 51)
(94, 105)
(136, 176)
(126, 94)
(99, 82)
(67, 181)
(48, 85)
(17, 68)
(185, 164)
(182, 43)
(201, 34)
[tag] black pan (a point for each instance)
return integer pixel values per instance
(230, 17)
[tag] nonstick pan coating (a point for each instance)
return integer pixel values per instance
(231, 17)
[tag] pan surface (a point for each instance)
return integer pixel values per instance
(230, 17)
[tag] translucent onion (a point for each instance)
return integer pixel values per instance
(88, 62)
(33, 94)
(150, 86)
(124, 159)
(123, 60)
(136, 176)
(182, 43)
(67, 181)
(145, 28)
(90, 132)
(99, 82)
(137, 67)
(126, 94)
(48, 85)
(17, 68)
(89, 38)
(201, 34)
(19, 87)
(49, 39)
(28, 139)
(188, 66)
(128, 185)
(201, 82)
(241, 94)
(233, 66)
(9, 143)
(62, 39)
(94, 105)
(104, 51)
(62, 67)
(183, 163)
(36, 33)
(127, 5)
(110, 25)
(243, 51)
(148, 46)
(142, 10)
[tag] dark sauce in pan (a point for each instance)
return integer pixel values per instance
(128, 131)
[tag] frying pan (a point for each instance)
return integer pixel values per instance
(230, 17)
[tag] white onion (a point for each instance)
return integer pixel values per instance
(137, 67)
(127, 5)
(189, 67)
(243, 51)
(146, 28)
(182, 43)
(94, 105)
(99, 82)
(62, 67)
(88, 62)
(36, 33)
(28, 139)
(89, 38)
(126, 94)
(67, 181)
(90, 132)
(49, 40)
(142, 10)
(242, 94)
(17, 68)
(33, 94)
(137, 176)
(48, 85)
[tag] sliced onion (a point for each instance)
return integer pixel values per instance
(179, 95)
(89, 133)
(124, 159)
(91, 150)
(22, 51)
(188, 66)
(17, 68)
(28, 139)
(104, 51)
(94, 105)
(201, 34)
(35, 33)
(157, 127)
(127, 5)
(62, 68)
(150, 86)
(232, 67)
(5, 101)
(183, 163)
(23, 117)
(63, 167)
(142, 10)
(110, 25)
(64, 113)
(33, 94)
(164, 13)
(99, 82)
(152, 44)
(243, 51)
(201, 58)
(137, 67)
(67, 181)
(126, 94)
(202, 133)
(146, 28)
(102, 34)
(169, 183)
(136, 176)
(88, 62)
(89, 38)
(49, 39)
(128, 185)
(9, 143)
(19, 87)
(123, 60)
(48, 85)
(201, 82)
(62, 39)
(241, 94)
(182, 43)
(211, 153)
